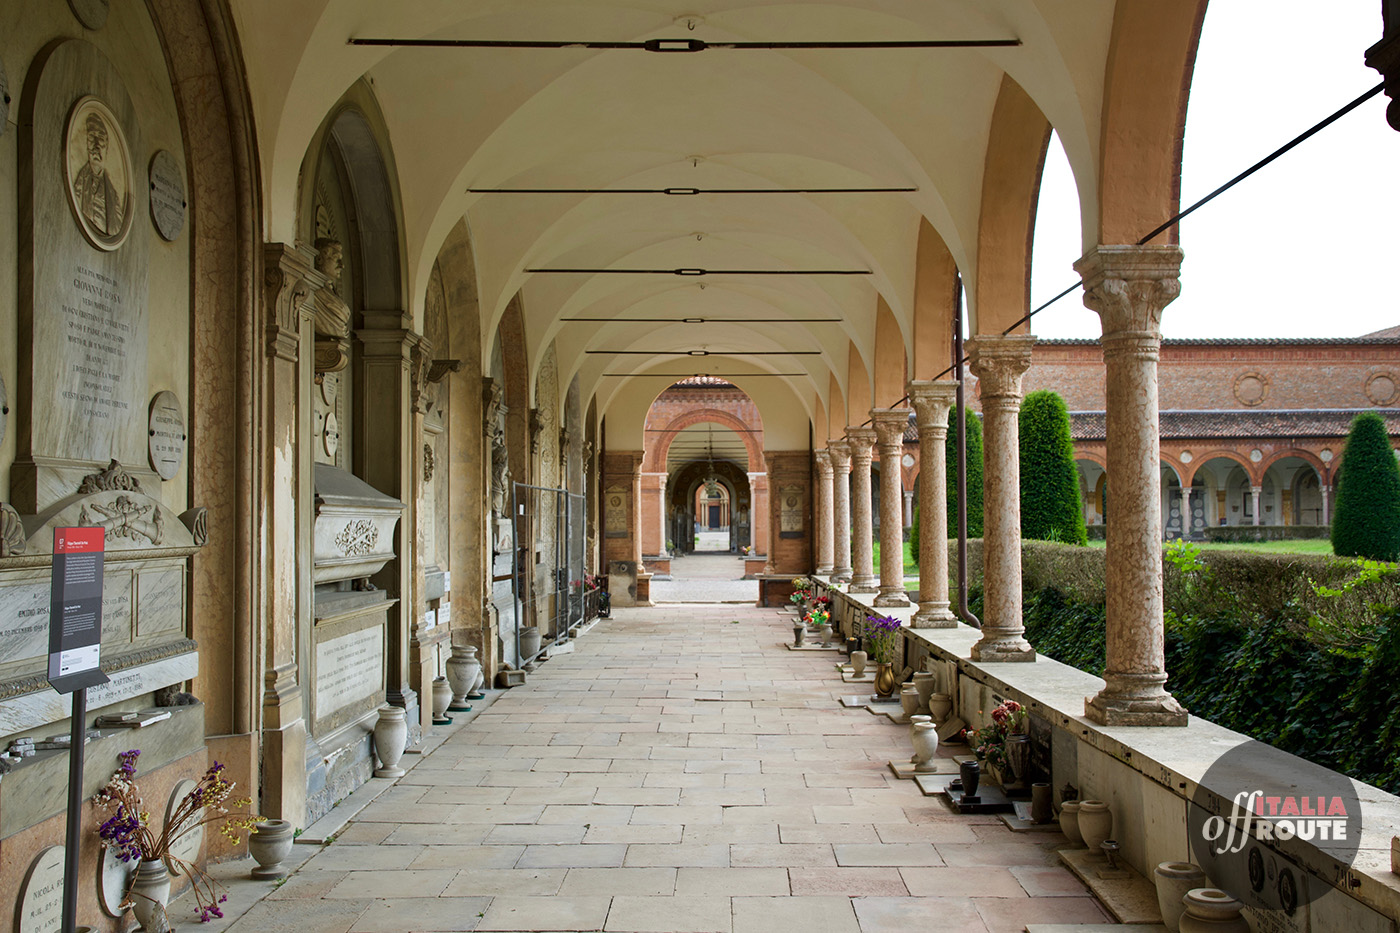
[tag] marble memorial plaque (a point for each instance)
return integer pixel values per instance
(31, 710)
(167, 195)
(91, 13)
(160, 601)
(24, 621)
(41, 898)
(349, 668)
(166, 430)
(113, 876)
(615, 512)
(444, 612)
(790, 514)
(185, 847)
(86, 308)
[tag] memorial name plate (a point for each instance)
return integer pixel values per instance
(167, 195)
(24, 616)
(186, 847)
(349, 668)
(4, 109)
(4, 410)
(615, 512)
(41, 898)
(166, 430)
(31, 710)
(113, 877)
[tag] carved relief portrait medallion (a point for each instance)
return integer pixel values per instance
(1381, 388)
(97, 167)
(1251, 388)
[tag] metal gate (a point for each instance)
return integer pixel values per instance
(547, 572)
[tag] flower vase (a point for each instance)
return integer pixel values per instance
(1069, 822)
(150, 893)
(799, 634)
(940, 707)
(1042, 803)
(858, 659)
(442, 698)
(390, 740)
(971, 774)
(923, 683)
(530, 640)
(925, 746)
(269, 843)
(909, 700)
(1173, 880)
(1095, 824)
(913, 724)
(1018, 757)
(1210, 910)
(462, 670)
(884, 680)
(825, 630)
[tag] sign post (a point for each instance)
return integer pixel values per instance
(75, 663)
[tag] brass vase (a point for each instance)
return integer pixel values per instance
(884, 679)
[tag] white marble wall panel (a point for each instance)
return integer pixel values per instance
(32, 710)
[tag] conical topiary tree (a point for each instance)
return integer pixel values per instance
(974, 474)
(1051, 509)
(1366, 522)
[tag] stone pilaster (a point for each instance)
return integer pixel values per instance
(932, 402)
(385, 459)
(999, 362)
(826, 540)
(289, 282)
(1128, 286)
(890, 424)
(860, 441)
(840, 453)
(423, 641)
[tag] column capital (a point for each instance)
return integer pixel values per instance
(1128, 286)
(840, 453)
(999, 361)
(861, 438)
(932, 402)
(890, 425)
(823, 459)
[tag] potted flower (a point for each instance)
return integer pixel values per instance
(820, 619)
(883, 637)
(129, 831)
(994, 742)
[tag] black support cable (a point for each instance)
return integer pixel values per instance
(682, 45)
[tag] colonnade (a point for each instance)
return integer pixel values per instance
(1128, 286)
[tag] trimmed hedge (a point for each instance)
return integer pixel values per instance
(1367, 519)
(1232, 533)
(1051, 508)
(1298, 651)
(974, 474)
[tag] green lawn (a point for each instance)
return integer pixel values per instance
(911, 560)
(1307, 546)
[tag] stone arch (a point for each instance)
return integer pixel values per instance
(935, 287)
(1147, 82)
(1311, 458)
(678, 424)
(1015, 161)
(891, 358)
(1219, 453)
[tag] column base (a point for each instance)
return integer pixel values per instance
(824, 570)
(896, 599)
(934, 615)
(998, 649)
(1135, 700)
(841, 575)
(864, 584)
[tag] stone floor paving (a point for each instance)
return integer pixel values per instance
(705, 578)
(680, 772)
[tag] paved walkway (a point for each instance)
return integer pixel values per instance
(705, 578)
(681, 771)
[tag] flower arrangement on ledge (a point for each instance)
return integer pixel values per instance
(128, 826)
(801, 592)
(881, 637)
(817, 617)
(989, 742)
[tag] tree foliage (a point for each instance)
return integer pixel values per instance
(974, 475)
(1051, 508)
(1366, 522)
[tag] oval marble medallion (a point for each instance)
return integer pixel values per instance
(41, 898)
(167, 195)
(166, 434)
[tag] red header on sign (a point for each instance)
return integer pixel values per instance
(78, 540)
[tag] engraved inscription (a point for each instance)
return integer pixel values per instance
(97, 344)
(349, 668)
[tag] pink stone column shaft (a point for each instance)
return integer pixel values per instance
(841, 513)
(998, 362)
(1129, 286)
(826, 540)
(890, 424)
(860, 441)
(1254, 493)
(932, 402)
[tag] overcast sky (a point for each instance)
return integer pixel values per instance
(1307, 247)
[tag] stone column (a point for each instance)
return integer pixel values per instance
(1186, 528)
(1326, 504)
(998, 362)
(932, 401)
(908, 508)
(289, 282)
(841, 509)
(1254, 493)
(1129, 286)
(890, 424)
(860, 441)
(826, 540)
(384, 459)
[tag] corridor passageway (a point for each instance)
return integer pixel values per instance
(680, 771)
